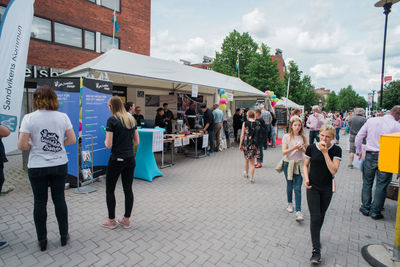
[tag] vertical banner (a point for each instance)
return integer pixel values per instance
(15, 32)
(95, 95)
(68, 94)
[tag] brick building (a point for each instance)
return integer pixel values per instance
(322, 91)
(68, 33)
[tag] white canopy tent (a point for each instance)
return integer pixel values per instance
(290, 103)
(125, 68)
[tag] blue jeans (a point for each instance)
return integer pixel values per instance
(337, 134)
(370, 168)
(295, 185)
(41, 179)
(273, 135)
(314, 134)
(261, 157)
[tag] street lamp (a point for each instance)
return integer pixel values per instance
(386, 4)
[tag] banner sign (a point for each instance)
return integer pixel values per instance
(95, 95)
(388, 78)
(15, 32)
(68, 94)
(195, 90)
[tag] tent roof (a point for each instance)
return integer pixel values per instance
(127, 68)
(290, 103)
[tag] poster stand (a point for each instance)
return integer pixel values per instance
(86, 157)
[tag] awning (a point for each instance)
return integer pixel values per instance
(290, 103)
(130, 69)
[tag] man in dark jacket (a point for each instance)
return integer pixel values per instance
(208, 121)
(262, 123)
(168, 117)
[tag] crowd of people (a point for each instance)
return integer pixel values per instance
(312, 163)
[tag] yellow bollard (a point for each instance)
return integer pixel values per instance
(389, 161)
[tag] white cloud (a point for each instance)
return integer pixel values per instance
(320, 43)
(255, 23)
(327, 71)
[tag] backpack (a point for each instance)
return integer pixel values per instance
(256, 133)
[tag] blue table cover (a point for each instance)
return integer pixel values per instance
(146, 166)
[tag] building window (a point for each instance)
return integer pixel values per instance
(111, 4)
(89, 40)
(68, 35)
(41, 29)
(107, 43)
(2, 11)
(93, 1)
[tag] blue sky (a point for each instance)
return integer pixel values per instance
(336, 42)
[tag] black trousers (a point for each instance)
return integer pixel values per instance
(318, 203)
(314, 134)
(125, 168)
(41, 179)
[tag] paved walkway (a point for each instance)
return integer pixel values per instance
(201, 213)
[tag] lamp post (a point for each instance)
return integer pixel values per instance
(387, 5)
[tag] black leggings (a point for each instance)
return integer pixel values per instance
(114, 168)
(318, 202)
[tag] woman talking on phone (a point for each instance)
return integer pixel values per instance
(321, 163)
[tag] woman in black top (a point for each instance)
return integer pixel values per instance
(160, 120)
(237, 123)
(121, 137)
(323, 158)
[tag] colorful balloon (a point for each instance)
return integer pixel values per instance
(267, 92)
(273, 96)
(222, 91)
(222, 101)
(273, 104)
(222, 106)
(224, 96)
(271, 93)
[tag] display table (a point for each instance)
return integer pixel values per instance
(146, 166)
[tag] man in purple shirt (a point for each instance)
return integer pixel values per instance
(314, 122)
(373, 129)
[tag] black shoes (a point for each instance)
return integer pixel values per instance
(64, 240)
(316, 256)
(43, 245)
(378, 216)
(365, 213)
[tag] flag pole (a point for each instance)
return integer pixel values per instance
(287, 91)
(114, 19)
(238, 59)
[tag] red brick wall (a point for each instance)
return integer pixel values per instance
(134, 21)
(280, 65)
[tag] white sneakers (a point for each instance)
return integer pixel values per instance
(299, 216)
(290, 208)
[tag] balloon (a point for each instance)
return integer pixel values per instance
(267, 92)
(276, 100)
(273, 96)
(273, 104)
(222, 91)
(222, 106)
(224, 96)
(222, 101)
(271, 92)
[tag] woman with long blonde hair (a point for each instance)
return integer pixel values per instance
(294, 145)
(121, 137)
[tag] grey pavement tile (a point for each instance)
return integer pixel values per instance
(201, 213)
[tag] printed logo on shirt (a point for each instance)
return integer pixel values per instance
(51, 141)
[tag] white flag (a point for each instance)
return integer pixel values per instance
(15, 31)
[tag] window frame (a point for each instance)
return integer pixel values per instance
(84, 39)
(119, 42)
(118, 11)
(79, 28)
(51, 30)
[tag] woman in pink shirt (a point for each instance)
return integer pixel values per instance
(294, 145)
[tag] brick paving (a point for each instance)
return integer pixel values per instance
(201, 213)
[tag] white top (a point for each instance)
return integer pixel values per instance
(295, 154)
(47, 130)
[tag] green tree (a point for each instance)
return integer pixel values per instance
(235, 44)
(349, 99)
(391, 94)
(332, 102)
(300, 89)
(263, 73)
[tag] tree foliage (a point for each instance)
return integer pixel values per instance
(300, 89)
(332, 102)
(233, 45)
(349, 99)
(391, 94)
(263, 73)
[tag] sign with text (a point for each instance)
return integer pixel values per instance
(281, 114)
(195, 90)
